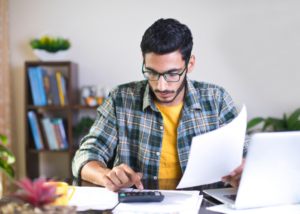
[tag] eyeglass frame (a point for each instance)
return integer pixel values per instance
(159, 74)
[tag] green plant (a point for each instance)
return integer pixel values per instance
(10, 158)
(50, 44)
(83, 125)
(285, 124)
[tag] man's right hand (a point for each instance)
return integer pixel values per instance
(114, 179)
(122, 176)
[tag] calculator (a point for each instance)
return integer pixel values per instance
(145, 196)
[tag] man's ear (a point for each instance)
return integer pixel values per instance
(191, 64)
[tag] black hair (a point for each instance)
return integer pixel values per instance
(166, 36)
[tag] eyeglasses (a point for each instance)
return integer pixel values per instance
(169, 77)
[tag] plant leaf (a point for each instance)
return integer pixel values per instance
(267, 123)
(293, 118)
(10, 157)
(3, 138)
(6, 168)
(254, 122)
(278, 124)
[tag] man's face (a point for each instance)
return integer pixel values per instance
(167, 93)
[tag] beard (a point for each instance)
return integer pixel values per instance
(182, 86)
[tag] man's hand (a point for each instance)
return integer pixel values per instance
(122, 177)
(235, 176)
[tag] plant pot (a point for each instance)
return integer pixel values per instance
(47, 56)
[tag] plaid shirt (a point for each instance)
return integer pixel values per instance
(129, 121)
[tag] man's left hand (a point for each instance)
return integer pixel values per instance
(235, 176)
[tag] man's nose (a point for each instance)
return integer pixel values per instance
(162, 83)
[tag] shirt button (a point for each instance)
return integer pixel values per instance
(154, 178)
(161, 127)
(157, 153)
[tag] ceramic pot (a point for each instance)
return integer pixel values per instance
(47, 56)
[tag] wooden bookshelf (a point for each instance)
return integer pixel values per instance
(69, 113)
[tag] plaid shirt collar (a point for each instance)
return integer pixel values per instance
(190, 100)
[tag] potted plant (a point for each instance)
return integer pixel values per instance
(49, 48)
(6, 158)
(291, 123)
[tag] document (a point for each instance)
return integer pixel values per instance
(96, 198)
(215, 154)
(174, 202)
(286, 209)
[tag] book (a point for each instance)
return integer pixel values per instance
(41, 140)
(64, 88)
(43, 131)
(58, 136)
(48, 91)
(54, 89)
(33, 86)
(34, 130)
(60, 92)
(47, 125)
(54, 136)
(40, 84)
(62, 131)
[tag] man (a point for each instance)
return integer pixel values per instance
(151, 123)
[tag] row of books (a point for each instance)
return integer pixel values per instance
(47, 89)
(48, 133)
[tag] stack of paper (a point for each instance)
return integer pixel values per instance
(96, 198)
(174, 202)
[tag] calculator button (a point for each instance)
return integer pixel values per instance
(127, 193)
(122, 194)
(156, 193)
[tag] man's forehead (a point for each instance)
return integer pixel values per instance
(173, 57)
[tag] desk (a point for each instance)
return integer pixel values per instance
(167, 184)
(148, 184)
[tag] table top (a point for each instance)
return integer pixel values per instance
(164, 184)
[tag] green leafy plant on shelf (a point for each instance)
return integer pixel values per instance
(291, 123)
(6, 158)
(84, 125)
(49, 44)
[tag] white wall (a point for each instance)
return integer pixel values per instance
(251, 48)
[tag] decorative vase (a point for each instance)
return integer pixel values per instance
(47, 56)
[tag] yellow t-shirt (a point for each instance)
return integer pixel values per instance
(169, 166)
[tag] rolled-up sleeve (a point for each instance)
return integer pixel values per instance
(227, 112)
(100, 142)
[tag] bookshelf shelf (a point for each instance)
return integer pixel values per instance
(69, 113)
(47, 151)
(32, 107)
(84, 107)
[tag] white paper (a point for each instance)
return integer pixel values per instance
(215, 154)
(286, 209)
(96, 198)
(174, 202)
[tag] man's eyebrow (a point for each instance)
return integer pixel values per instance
(168, 71)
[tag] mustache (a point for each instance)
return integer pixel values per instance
(164, 92)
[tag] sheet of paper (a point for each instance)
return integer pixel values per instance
(286, 209)
(97, 198)
(190, 211)
(174, 202)
(215, 154)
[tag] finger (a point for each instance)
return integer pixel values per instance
(122, 176)
(108, 184)
(134, 177)
(113, 177)
(240, 168)
(225, 178)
